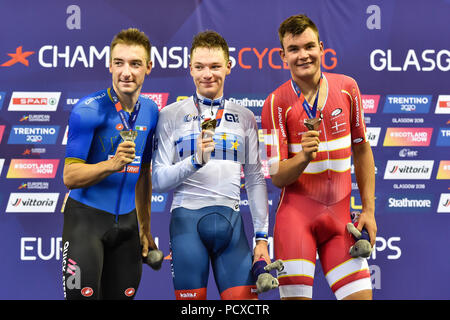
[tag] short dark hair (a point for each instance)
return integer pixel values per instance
(212, 40)
(296, 25)
(132, 36)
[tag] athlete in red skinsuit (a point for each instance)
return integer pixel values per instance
(313, 169)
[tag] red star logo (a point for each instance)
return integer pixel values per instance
(19, 56)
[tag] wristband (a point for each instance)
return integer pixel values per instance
(261, 236)
(194, 163)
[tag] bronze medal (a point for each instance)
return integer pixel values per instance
(313, 123)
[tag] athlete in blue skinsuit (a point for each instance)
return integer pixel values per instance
(110, 180)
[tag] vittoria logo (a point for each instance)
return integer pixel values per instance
(32, 202)
(409, 169)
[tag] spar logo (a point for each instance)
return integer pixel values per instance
(33, 135)
(32, 202)
(33, 168)
(419, 137)
(159, 98)
(407, 104)
(34, 101)
(409, 169)
(444, 203)
(443, 104)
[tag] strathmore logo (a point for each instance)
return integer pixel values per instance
(409, 169)
(419, 202)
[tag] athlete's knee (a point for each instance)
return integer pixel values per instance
(360, 295)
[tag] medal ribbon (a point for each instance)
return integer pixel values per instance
(310, 111)
(128, 125)
(218, 102)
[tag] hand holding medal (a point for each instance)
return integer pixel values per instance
(205, 143)
(310, 139)
(126, 151)
(128, 135)
(313, 123)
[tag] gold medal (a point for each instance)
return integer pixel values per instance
(128, 135)
(209, 124)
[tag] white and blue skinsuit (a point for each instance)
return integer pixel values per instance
(205, 218)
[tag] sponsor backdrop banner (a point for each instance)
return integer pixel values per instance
(53, 53)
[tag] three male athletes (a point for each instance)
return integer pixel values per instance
(203, 165)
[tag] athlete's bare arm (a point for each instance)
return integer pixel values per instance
(82, 175)
(365, 177)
